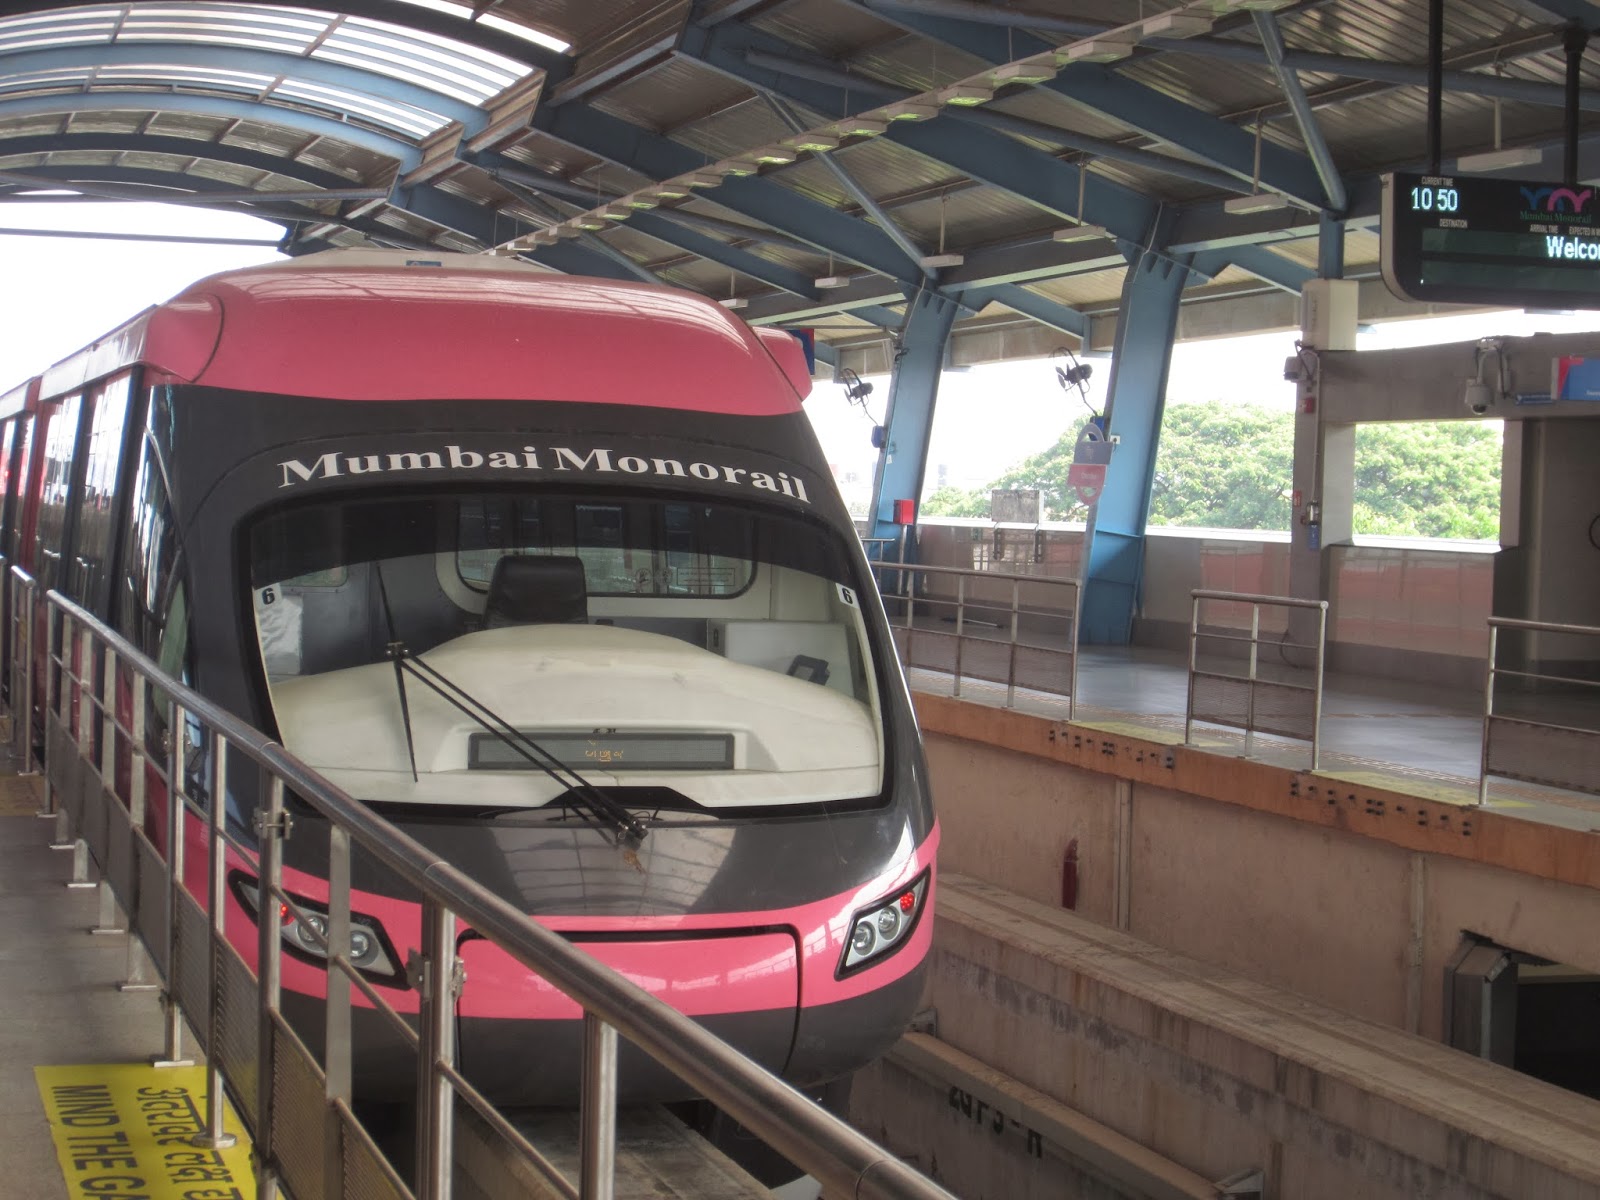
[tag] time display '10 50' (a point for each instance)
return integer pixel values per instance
(1435, 199)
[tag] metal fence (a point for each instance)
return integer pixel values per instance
(102, 735)
(1524, 746)
(1019, 630)
(1280, 695)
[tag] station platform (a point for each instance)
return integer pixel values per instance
(62, 1005)
(1416, 737)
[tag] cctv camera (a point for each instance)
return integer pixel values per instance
(1478, 397)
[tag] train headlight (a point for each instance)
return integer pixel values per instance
(877, 930)
(370, 951)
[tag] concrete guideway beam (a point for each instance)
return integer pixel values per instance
(1114, 560)
(908, 419)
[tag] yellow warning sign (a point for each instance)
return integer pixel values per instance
(126, 1131)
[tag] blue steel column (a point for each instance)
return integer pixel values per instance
(913, 388)
(1146, 324)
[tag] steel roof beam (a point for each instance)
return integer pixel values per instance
(1151, 112)
(35, 177)
(862, 197)
(392, 12)
(658, 226)
(1031, 304)
(271, 63)
(1031, 175)
(1310, 131)
(178, 147)
(1007, 123)
(1581, 12)
(638, 149)
(158, 187)
(405, 153)
(1268, 267)
(1528, 91)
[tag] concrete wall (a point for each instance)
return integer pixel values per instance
(1214, 1073)
(1358, 922)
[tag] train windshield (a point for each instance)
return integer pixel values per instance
(713, 655)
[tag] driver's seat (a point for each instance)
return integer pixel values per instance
(537, 589)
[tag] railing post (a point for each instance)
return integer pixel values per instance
(214, 1136)
(1250, 693)
(27, 621)
(338, 1061)
(1488, 713)
(597, 1125)
(272, 826)
(1011, 667)
(1316, 698)
(139, 972)
(436, 1099)
(177, 772)
(1194, 641)
(1072, 645)
(961, 625)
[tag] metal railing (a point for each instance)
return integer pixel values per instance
(1283, 705)
(1526, 747)
(989, 615)
(102, 738)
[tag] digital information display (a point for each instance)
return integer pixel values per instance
(1469, 240)
(615, 750)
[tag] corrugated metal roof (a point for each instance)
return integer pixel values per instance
(631, 67)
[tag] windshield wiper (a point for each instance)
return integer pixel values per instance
(627, 830)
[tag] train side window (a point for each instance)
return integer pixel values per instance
(16, 491)
(54, 492)
(90, 577)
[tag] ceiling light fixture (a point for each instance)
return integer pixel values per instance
(909, 110)
(860, 127)
(616, 212)
(965, 95)
(825, 282)
(1175, 25)
(815, 143)
(1040, 69)
(1258, 200)
(776, 155)
(702, 179)
(1080, 233)
(1097, 50)
(1500, 160)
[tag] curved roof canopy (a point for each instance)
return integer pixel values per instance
(819, 160)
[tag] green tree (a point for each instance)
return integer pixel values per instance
(1428, 479)
(1228, 466)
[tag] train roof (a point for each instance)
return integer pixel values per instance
(399, 325)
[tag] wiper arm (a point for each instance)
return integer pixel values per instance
(397, 652)
(628, 831)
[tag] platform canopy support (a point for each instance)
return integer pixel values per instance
(1147, 321)
(908, 421)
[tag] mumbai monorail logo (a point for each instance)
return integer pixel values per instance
(1555, 203)
(555, 459)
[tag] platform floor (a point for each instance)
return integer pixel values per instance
(59, 1003)
(1414, 737)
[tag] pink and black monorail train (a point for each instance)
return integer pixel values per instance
(550, 572)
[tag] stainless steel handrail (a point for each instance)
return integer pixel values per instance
(1013, 611)
(1493, 721)
(1251, 679)
(844, 1161)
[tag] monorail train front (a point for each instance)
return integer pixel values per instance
(606, 642)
